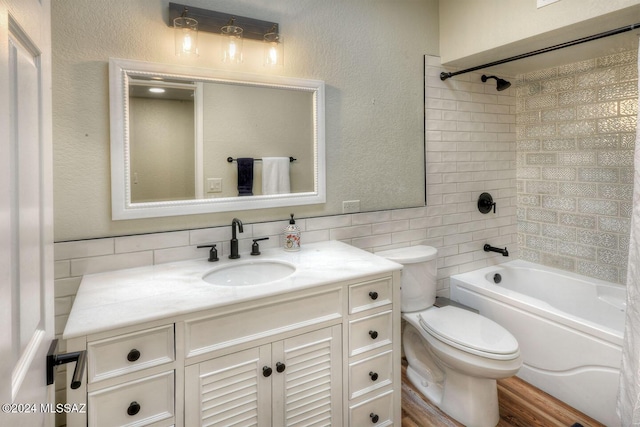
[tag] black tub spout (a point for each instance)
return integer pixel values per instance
(489, 248)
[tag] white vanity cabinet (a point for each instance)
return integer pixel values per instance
(322, 354)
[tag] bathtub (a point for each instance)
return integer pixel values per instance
(569, 328)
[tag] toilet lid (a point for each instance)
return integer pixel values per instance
(470, 332)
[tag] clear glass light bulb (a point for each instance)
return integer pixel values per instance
(186, 41)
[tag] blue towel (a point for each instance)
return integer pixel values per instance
(245, 176)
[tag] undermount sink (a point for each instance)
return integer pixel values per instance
(252, 272)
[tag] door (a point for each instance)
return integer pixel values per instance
(308, 389)
(26, 229)
(234, 389)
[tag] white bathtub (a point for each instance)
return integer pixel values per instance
(569, 328)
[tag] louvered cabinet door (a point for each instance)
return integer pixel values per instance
(308, 391)
(229, 390)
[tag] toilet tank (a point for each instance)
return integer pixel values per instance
(419, 275)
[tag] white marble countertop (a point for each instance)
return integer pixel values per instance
(127, 297)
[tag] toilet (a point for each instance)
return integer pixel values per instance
(455, 355)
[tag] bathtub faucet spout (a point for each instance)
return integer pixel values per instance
(489, 248)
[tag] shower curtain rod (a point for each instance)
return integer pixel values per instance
(445, 75)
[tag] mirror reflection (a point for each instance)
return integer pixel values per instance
(188, 140)
(162, 141)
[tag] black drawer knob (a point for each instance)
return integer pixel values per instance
(373, 375)
(280, 367)
(133, 409)
(373, 295)
(374, 418)
(373, 334)
(133, 355)
(266, 371)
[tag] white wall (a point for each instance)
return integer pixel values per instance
(497, 29)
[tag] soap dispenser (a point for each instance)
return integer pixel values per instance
(292, 236)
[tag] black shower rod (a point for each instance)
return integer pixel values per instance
(445, 75)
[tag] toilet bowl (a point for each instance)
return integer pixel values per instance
(454, 355)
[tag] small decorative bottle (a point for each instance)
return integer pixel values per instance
(292, 236)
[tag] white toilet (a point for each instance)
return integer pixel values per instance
(455, 356)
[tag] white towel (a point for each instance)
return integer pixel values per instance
(275, 175)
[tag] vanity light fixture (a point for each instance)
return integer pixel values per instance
(232, 42)
(156, 90)
(186, 34)
(273, 48)
(234, 29)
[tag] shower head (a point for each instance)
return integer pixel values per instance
(501, 83)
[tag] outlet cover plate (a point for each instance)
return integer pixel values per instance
(351, 206)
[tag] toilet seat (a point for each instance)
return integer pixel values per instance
(469, 332)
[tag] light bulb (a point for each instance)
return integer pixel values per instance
(186, 42)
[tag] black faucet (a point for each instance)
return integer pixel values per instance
(234, 241)
(489, 248)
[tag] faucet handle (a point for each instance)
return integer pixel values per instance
(255, 249)
(213, 252)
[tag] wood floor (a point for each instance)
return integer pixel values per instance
(521, 405)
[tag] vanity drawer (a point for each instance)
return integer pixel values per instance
(129, 353)
(370, 374)
(370, 332)
(139, 403)
(214, 333)
(377, 411)
(368, 295)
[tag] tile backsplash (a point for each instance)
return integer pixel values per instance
(576, 131)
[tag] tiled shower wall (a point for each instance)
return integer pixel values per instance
(576, 129)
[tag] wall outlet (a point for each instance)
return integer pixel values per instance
(214, 185)
(350, 206)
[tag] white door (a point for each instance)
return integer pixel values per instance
(26, 229)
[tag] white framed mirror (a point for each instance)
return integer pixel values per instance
(176, 151)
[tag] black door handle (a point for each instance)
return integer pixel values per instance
(53, 360)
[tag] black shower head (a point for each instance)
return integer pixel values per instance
(501, 83)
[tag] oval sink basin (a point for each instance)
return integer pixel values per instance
(249, 273)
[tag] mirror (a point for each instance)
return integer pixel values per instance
(175, 149)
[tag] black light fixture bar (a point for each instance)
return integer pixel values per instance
(211, 21)
(445, 75)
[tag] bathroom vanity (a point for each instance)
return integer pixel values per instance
(167, 347)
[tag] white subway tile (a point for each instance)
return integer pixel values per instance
(328, 222)
(83, 248)
(99, 264)
(151, 241)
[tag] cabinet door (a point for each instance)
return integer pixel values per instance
(308, 392)
(229, 390)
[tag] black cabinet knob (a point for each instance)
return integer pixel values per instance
(373, 334)
(280, 367)
(133, 409)
(133, 355)
(373, 295)
(266, 371)
(373, 375)
(374, 418)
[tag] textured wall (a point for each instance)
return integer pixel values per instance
(369, 53)
(468, 27)
(576, 135)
